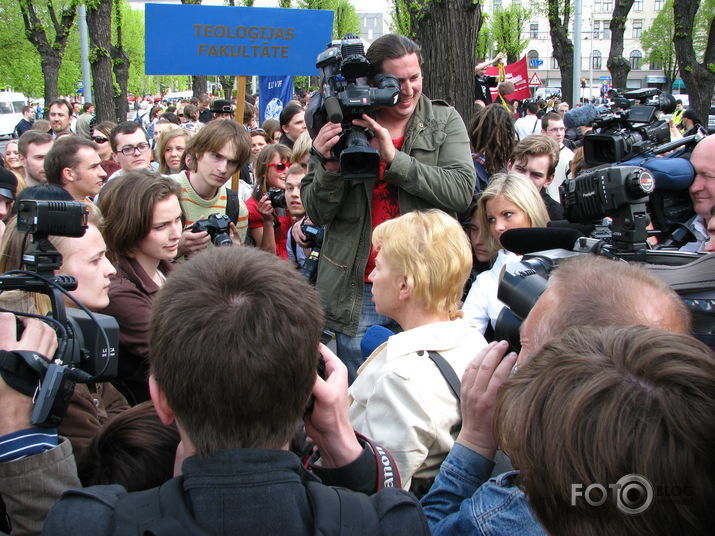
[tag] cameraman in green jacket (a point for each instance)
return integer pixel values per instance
(425, 162)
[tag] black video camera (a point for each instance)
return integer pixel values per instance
(314, 238)
(344, 96)
(217, 226)
(87, 342)
(619, 136)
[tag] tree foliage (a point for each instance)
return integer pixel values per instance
(657, 42)
(484, 39)
(507, 28)
(698, 74)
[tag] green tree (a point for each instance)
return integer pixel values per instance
(657, 42)
(442, 28)
(48, 30)
(559, 15)
(698, 75)
(618, 66)
(484, 39)
(507, 29)
(20, 66)
(345, 18)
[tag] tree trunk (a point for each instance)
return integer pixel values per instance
(447, 31)
(562, 45)
(617, 64)
(50, 54)
(199, 85)
(698, 77)
(120, 66)
(227, 86)
(99, 26)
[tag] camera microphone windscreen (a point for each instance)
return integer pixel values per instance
(672, 174)
(581, 116)
(532, 239)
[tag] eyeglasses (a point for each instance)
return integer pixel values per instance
(129, 150)
(280, 166)
(256, 131)
(99, 139)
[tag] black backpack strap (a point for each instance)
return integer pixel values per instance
(339, 511)
(232, 205)
(161, 511)
(451, 378)
(447, 371)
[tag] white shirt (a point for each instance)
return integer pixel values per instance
(561, 173)
(527, 125)
(401, 399)
(482, 304)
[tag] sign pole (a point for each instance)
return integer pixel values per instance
(240, 100)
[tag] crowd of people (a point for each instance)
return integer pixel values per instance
(228, 415)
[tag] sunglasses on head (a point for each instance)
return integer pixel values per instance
(280, 166)
(99, 139)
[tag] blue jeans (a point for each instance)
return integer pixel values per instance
(349, 347)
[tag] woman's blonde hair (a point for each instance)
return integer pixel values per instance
(431, 250)
(519, 190)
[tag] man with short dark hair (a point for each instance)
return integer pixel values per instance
(536, 157)
(552, 125)
(205, 114)
(60, 116)
(425, 162)
(529, 124)
(25, 124)
(33, 146)
(74, 164)
(237, 474)
(130, 147)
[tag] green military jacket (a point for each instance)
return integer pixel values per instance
(434, 169)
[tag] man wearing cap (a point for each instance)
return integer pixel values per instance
(222, 109)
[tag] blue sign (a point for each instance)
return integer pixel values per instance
(604, 77)
(194, 40)
(535, 63)
(275, 92)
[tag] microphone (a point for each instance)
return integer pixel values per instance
(581, 116)
(532, 239)
(374, 337)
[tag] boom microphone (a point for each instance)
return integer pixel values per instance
(581, 116)
(532, 239)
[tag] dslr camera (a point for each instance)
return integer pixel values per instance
(277, 197)
(344, 96)
(87, 342)
(217, 226)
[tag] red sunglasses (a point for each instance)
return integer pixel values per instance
(280, 166)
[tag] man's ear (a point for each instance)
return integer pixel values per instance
(67, 175)
(549, 180)
(509, 165)
(158, 396)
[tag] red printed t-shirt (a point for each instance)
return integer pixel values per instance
(385, 205)
(255, 221)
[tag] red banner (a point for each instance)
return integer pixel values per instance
(516, 73)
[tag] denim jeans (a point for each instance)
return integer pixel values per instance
(349, 347)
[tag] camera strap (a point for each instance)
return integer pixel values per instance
(22, 370)
(388, 475)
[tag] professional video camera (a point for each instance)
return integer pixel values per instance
(217, 226)
(87, 342)
(345, 96)
(619, 136)
(314, 238)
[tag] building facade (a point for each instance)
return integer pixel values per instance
(595, 43)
